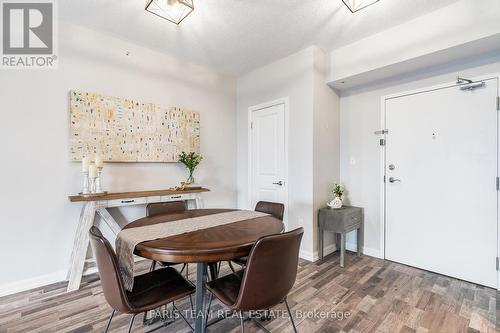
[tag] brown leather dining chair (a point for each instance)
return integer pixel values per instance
(151, 290)
(159, 208)
(267, 279)
(272, 208)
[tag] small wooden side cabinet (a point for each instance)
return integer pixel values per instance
(340, 221)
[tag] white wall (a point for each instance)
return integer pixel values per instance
(360, 116)
(37, 220)
(290, 77)
(326, 136)
(300, 77)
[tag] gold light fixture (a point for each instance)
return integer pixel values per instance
(355, 5)
(173, 10)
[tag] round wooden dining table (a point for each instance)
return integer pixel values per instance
(204, 246)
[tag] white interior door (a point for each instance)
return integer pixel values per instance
(441, 169)
(268, 164)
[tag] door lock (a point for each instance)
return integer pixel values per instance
(280, 183)
(393, 180)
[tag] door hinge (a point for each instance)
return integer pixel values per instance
(384, 178)
(498, 103)
(498, 184)
(382, 142)
(251, 125)
(498, 264)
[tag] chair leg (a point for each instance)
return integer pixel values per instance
(213, 271)
(208, 309)
(290, 314)
(182, 316)
(183, 268)
(131, 323)
(145, 316)
(109, 321)
(242, 323)
(186, 267)
(231, 266)
(191, 301)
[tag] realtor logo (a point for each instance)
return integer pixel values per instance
(28, 34)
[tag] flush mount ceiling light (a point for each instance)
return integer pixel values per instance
(173, 10)
(355, 5)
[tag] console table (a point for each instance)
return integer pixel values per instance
(93, 205)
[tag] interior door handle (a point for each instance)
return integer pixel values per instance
(280, 183)
(393, 180)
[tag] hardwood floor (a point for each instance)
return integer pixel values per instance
(369, 295)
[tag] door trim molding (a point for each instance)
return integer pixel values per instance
(286, 102)
(383, 205)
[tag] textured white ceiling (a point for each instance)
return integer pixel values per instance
(235, 36)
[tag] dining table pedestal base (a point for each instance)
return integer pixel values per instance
(201, 279)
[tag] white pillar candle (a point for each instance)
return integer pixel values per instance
(85, 164)
(99, 161)
(93, 171)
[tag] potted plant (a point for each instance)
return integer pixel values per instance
(191, 161)
(337, 190)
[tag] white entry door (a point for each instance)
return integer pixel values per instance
(441, 169)
(268, 156)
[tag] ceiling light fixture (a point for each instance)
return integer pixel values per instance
(173, 10)
(355, 5)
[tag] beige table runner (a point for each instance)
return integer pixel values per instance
(127, 239)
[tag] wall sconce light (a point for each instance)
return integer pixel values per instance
(173, 10)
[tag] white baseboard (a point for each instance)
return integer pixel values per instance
(314, 256)
(306, 255)
(36, 282)
(372, 252)
(43, 280)
(27, 284)
(310, 256)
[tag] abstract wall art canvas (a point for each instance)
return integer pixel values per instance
(125, 130)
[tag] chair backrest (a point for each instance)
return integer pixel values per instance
(109, 272)
(272, 208)
(270, 272)
(165, 208)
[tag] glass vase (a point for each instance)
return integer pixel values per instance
(190, 179)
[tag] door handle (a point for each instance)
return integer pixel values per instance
(280, 183)
(393, 180)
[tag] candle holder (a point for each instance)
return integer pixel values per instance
(86, 189)
(92, 181)
(98, 187)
